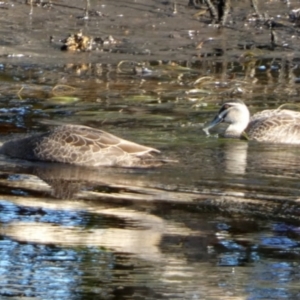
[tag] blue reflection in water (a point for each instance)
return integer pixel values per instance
(273, 280)
(278, 242)
(10, 212)
(35, 272)
(46, 272)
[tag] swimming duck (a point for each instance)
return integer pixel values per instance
(272, 125)
(78, 145)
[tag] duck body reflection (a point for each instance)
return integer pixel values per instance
(79, 145)
(274, 125)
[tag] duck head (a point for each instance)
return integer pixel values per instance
(236, 114)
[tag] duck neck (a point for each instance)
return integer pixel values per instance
(235, 130)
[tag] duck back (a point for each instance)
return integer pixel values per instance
(80, 145)
(275, 126)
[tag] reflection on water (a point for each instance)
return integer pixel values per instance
(74, 249)
(235, 153)
(132, 236)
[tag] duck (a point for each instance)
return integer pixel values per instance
(78, 145)
(271, 125)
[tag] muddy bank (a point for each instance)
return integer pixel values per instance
(146, 30)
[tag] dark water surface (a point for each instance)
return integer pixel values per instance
(222, 222)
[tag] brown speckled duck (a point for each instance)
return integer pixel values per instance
(272, 125)
(78, 145)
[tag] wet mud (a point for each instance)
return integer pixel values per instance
(147, 30)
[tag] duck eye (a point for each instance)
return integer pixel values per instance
(224, 107)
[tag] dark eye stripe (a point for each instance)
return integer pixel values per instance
(224, 107)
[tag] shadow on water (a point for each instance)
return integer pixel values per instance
(221, 223)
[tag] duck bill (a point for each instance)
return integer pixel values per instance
(217, 120)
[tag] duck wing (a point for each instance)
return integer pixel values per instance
(275, 126)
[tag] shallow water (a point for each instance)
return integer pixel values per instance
(222, 222)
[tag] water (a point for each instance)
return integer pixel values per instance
(72, 250)
(222, 222)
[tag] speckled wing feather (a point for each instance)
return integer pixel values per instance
(80, 145)
(87, 146)
(277, 126)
